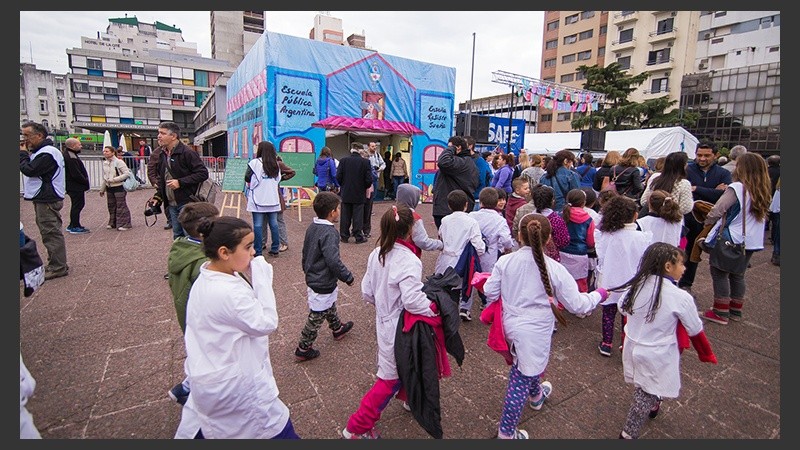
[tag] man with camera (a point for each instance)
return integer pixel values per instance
(180, 170)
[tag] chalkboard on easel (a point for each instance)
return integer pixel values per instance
(233, 180)
(303, 165)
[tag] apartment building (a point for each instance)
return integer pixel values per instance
(135, 75)
(44, 98)
(329, 29)
(571, 39)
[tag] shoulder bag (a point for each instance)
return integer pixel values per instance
(130, 184)
(726, 255)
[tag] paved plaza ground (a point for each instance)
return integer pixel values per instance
(104, 346)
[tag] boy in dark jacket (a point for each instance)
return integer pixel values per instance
(323, 268)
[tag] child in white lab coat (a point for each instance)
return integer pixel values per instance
(393, 283)
(527, 320)
(228, 321)
(655, 307)
(664, 219)
(495, 231)
(457, 229)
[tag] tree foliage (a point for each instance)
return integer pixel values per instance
(618, 112)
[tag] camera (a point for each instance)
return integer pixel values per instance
(153, 206)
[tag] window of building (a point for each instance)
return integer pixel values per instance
(626, 35)
(766, 22)
(62, 106)
(550, 62)
(583, 56)
(566, 78)
(46, 124)
(549, 79)
(601, 52)
(22, 107)
(62, 125)
(60, 93)
(587, 15)
(659, 85)
(658, 56)
(665, 26)
(720, 13)
(717, 41)
(564, 116)
(774, 49)
(552, 25)
(42, 91)
(585, 35)
(566, 59)
(429, 157)
(546, 118)
(151, 69)
(570, 19)
(80, 86)
(551, 44)
(43, 106)
(624, 62)
(94, 64)
(137, 70)
(580, 75)
(571, 39)
(603, 29)
(123, 66)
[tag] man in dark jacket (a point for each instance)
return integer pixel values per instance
(180, 171)
(77, 184)
(709, 181)
(354, 175)
(457, 170)
(42, 167)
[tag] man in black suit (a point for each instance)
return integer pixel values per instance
(354, 175)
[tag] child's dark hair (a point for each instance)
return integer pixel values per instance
(324, 203)
(488, 197)
(396, 223)
(191, 214)
(457, 200)
(591, 197)
(618, 211)
(661, 204)
(501, 194)
(576, 198)
(535, 230)
(543, 197)
(653, 262)
(222, 231)
(605, 196)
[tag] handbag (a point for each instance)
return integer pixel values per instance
(726, 255)
(130, 184)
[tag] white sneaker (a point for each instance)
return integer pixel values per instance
(465, 315)
(123, 228)
(406, 406)
(546, 389)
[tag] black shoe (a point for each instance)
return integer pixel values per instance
(179, 393)
(168, 227)
(166, 276)
(361, 240)
(273, 254)
(654, 411)
(345, 240)
(337, 335)
(300, 355)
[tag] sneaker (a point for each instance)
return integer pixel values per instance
(711, 316)
(48, 275)
(344, 240)
(80, 230)
(371, 434)
(546, 388)
(465, 315)
(124, 228)
(406, 406)
(518, 434)
(166, 276)
(735, 316)
(283, 248)
(273, 254)
(168, 226)
(300, 355)
(179, 393)
(361, 240)
(71, 229)
(583, 316)
(108, 227)
(605, 349)
(338, 335)
(654, 411)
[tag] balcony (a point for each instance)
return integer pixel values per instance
(658, 92)
(623, 17)
(662, 35)
(659, 64)
(617, 46)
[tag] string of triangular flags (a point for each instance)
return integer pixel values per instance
(551, 97)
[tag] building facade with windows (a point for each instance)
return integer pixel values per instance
(137, 75)
(44, 98)
(571, 39)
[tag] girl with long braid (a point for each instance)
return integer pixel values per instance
(654, 310)
(529, 312)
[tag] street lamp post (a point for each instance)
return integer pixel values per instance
(467, 129)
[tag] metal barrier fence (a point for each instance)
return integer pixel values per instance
(94, 167)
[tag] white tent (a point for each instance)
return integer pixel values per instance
(651, 142)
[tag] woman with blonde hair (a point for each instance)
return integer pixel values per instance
(750, 193)
(611, 159)
(115, 172)
(626, 175)
(534, 171)
(522, 164)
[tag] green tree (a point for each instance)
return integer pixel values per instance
(619, 113)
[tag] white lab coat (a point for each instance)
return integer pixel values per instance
(392, 287)
(494, 229)
(663, 231)
(234, 394)
(527, 316)
(618, 256)
(456, 230)
(650, 357)
(27, 384)
(421, 239)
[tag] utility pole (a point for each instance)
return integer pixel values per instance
(510, 117)
(467, 127)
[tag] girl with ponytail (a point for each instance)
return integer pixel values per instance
(530, 283)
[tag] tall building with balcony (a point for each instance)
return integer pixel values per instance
(44, 98)
(136, 75)
(233, 34)
(571, 39)
(661, 44)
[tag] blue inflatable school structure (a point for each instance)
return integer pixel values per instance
(291, 91)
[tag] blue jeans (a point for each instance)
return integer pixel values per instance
(258, 224)
(397, 181)
(177, 229)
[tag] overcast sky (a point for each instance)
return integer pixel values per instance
(505, 40)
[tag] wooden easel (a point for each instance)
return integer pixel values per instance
(232, 200)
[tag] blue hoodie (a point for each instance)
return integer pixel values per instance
(325, 170)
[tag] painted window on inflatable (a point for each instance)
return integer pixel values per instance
(429, 157)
